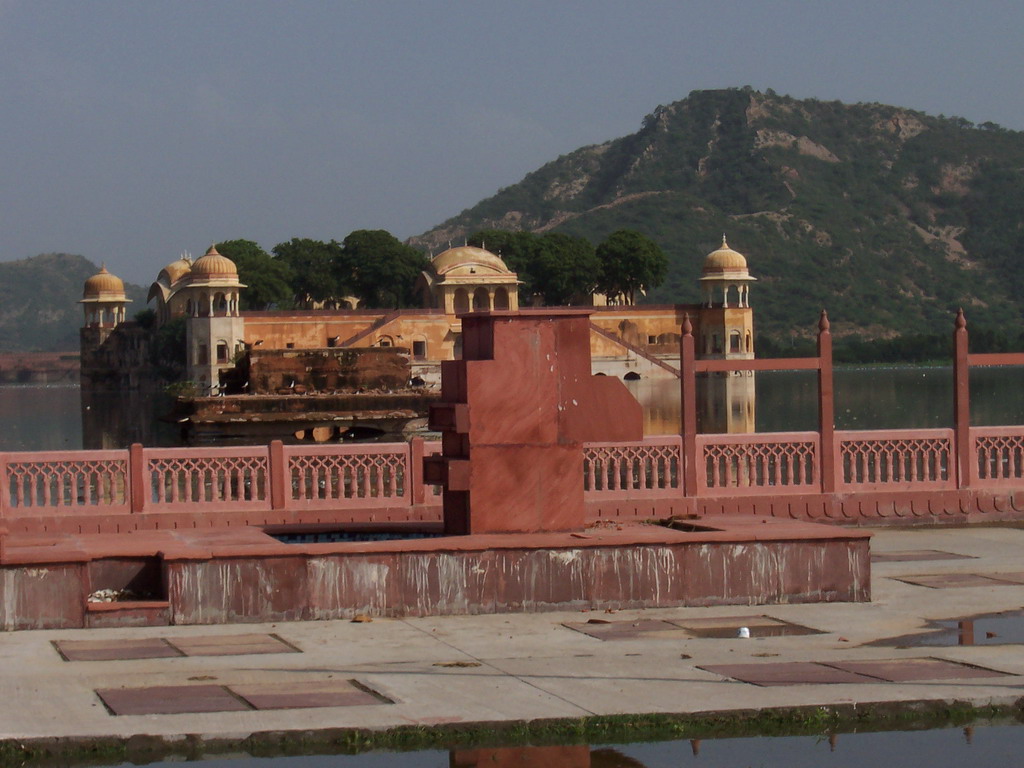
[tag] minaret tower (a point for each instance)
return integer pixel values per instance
(104, 301)
(726, 320)
(214, 328)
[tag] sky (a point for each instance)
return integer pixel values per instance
(135, 131)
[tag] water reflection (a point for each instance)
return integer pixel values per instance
(116, 420)
(38, 418)
(940, 748)
(865, 398)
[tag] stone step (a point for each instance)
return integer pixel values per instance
(128, 613)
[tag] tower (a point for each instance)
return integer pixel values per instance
(726, 333)
(214, 328)
(104, 302)
(726, 320)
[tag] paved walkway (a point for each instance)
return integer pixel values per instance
(229, 681)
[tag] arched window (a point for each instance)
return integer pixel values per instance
(461, 301)
(734, 341)
(481, 300)
(501, 299)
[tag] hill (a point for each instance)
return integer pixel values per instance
(39, 309)
(888, 217)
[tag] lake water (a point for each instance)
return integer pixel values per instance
(40, 418)
(942, 748)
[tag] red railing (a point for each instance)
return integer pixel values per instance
(347, 478)
(999, 455)
(895, 460)
(755, 464)
(196, 480)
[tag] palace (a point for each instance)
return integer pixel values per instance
(626, 341)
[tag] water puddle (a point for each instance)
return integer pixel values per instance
(1004, 628)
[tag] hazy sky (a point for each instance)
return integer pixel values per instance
(133, 131)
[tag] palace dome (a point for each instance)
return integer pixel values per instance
(103, 285)
(213, 265)
(176, 270)
(466, 258)
(725, 259)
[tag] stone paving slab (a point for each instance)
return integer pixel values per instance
(908, 670)
(231, 645)
(171, 700)
(912, 555)
(787, 673)
(956, 580)
(327, 693)
(116, 650)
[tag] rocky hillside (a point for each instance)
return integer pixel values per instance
(39, 309)
(887, 217)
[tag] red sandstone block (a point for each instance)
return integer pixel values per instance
(909, 670)
(171, 700)
(328, 693)
(787, 673)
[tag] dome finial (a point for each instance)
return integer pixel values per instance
(724, 244)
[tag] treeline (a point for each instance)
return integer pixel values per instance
(381, 271)
(372, 265)
(908, 348)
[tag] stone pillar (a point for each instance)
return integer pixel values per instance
(514, 414)
(961, 402)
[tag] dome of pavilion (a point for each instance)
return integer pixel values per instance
(104, 285)
(467, 259)
(213, 265)
(725, 261)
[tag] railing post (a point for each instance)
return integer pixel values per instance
(961, 403)
(5, 491)
(136, 478)
(278, 475)
(688, 407)
(414, 470)
(826, 408)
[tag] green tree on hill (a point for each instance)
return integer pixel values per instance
(566, 270)
(314, 267)
(267, 280)
(384, 270)
(630, 262)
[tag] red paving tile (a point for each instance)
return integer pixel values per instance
(909, 670)
(910, 555)
(787, 673)
(327, 693)
(171, 700)
(116, 650)
(727, 626)
(629, 630)
(231, 645)
(1015, 577)
(955, 580)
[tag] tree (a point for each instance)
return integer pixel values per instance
(267, 280)
(566, 269)
(630, 262)
(519, 250)
(314, 266)
(384, 269)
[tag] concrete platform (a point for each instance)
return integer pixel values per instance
(242, 574)
(385, 673)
